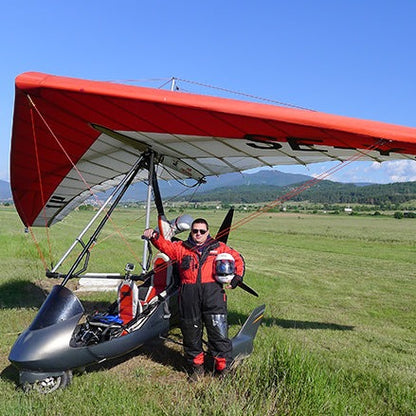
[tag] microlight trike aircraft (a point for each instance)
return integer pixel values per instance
(72, 138)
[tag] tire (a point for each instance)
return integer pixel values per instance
(49, 384)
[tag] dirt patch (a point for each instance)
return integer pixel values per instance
(156, 362)
(47, 284)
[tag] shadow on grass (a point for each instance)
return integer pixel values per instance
(167, 355)
(237, 318)
(156, 351)
(21, 294)
(293, 324)
(26, 294)
(10, 373)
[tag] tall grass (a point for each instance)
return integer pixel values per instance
(338, 337)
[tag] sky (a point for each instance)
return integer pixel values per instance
(347, 57)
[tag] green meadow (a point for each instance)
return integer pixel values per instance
(338, 337)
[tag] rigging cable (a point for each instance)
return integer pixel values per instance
(303, 187)
(253, 97)
(173, 197)
(32, 104)
(294, 192)
(42, 194)
(267, 207)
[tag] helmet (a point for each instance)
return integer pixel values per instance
(176, 226)
(182, 223)
(224, 267)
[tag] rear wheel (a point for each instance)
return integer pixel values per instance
(49, 384)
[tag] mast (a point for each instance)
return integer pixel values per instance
(148, 202)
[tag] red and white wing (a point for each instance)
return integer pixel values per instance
(72, 137)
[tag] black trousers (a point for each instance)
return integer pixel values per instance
(205, 304)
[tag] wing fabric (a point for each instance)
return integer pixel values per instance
(72, 137)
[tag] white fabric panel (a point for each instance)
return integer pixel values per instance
(108, 159)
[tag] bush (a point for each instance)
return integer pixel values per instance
(86, 207)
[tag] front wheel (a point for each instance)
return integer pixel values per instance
(49, 384)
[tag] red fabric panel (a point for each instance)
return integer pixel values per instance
(159, 279)
(69, 105)
(126, 303)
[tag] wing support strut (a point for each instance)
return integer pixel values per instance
(119, 191)
(153, 186)
(146, 247)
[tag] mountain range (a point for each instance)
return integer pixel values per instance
(266, 185)
(5, 191)
(173, 188)
(137, 192)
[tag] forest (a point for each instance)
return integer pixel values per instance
(325, 192)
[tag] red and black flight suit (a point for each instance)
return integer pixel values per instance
(202, 300)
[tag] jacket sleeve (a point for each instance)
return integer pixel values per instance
(240, 267)
(171, 249)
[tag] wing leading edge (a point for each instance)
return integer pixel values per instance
(72, 137)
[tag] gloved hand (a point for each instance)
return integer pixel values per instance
(235, 281)
(149, 233)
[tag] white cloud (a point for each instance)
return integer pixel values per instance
(356, 172)
(401, 170)
(359, 171)
(376, 166)
(386, 172)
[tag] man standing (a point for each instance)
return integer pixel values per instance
(202, 298)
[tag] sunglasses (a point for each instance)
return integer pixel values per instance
(196, 231)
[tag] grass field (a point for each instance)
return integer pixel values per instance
(338, 337)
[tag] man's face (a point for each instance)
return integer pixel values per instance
(199, 233)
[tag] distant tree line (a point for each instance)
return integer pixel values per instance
(325, 192)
